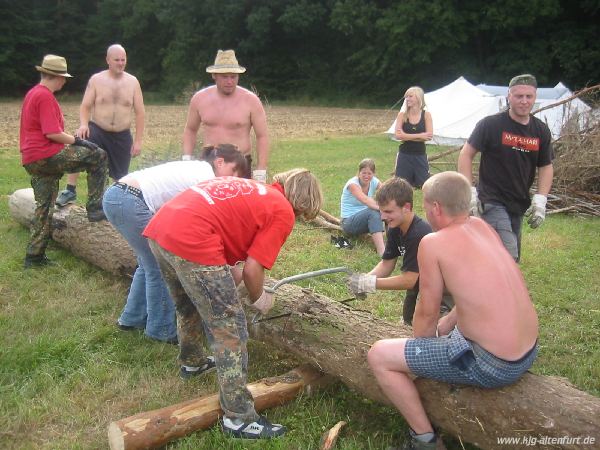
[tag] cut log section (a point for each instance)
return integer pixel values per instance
(336, 338)
(156, 428)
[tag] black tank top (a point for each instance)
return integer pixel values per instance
(413, 147)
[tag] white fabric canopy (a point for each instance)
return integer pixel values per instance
(457, 107)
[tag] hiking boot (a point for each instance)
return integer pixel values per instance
(33, 261)
(207, 367)
(96, 215)
(259, 429)
(65, 197)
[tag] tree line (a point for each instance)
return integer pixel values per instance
(324, 50)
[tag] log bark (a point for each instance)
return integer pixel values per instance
(335, 337)
(153, 429)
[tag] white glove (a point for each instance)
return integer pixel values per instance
(260, 175)
(475, 207)
(361, 283)
(264, 303)
(537, 210)
(186, 157)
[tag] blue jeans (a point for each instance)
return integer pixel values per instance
(366, 221)
(507, 225)
(149, 305)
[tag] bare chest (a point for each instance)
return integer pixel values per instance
(231, 115)
(117, 93)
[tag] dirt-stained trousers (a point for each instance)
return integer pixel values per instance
(208, 293)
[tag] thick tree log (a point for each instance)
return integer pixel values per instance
(153, 429)
(336, 337)
(96, 242)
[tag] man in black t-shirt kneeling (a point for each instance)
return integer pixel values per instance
(404, 233)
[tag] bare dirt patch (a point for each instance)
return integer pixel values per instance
(164, 124)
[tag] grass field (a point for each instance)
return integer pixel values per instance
(66, 372)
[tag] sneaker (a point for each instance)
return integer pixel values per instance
(208, 367)
(259, 429)
(96, 215)
(33, 261)
(412, 443)
(122, 327)
(345, 243)
(65, 197)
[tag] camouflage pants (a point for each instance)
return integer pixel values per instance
(45, 175)
(207, 293)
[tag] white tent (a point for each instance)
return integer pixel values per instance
(457, 107)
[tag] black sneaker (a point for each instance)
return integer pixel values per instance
(33, 261)
(65, 197)
(345, 243)
(122, 327)
(259, 429)
(96, 215)
(207, 367)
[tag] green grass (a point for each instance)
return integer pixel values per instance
(66, 372)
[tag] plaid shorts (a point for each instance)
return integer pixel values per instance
(455, 359)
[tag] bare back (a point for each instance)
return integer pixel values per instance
(112, 100)
(224, 119)
(493, 306)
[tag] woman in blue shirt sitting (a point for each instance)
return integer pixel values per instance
(359, 210)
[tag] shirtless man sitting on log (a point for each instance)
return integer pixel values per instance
(226, 113)
(488, 340)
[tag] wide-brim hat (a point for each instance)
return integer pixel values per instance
(225, 62)
(54, 65)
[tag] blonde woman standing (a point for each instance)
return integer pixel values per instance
(414, 127)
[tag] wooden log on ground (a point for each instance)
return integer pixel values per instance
(153, 429)
(335, 337)
(96, 242)
(329, 218)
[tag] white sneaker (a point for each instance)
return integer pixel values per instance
(259, 429)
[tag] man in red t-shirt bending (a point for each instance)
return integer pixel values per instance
(196, 237)
(47, 152)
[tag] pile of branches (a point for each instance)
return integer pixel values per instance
(576, 184)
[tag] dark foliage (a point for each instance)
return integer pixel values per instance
(328, 50)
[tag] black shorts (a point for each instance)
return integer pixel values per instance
(117, 146)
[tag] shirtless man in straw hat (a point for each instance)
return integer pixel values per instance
(111, 95)
(226, 112)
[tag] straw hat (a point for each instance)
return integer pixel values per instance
(54, 65)
(225, 62)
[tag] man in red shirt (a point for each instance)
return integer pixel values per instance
(196, 237)
(46, 158)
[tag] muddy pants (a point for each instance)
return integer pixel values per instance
(45, 175)
(207, 293)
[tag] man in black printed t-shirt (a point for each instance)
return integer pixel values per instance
(513, 146)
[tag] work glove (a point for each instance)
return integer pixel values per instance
(537, 211)
(259, 175)
(186, 157)
(476, 209)
(264, 303)
(361, 284)
(83, 143)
